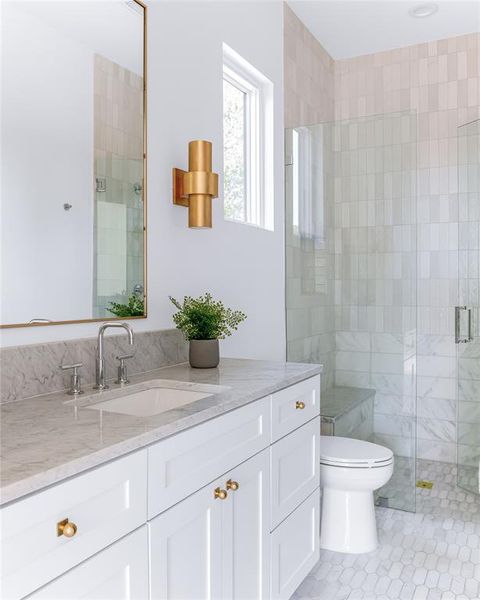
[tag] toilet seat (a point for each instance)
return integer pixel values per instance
(356, 454)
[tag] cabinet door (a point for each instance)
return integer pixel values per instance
(185, 549)
(295, 469)
(118, 573)
(295, 547)
(245, 531)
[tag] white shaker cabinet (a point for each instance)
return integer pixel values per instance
(295, 547)
(245, 531)
(186, 462)
(215, 544)
(225, 510)
(294, 406)
(294, 470)
(102, 505)
(120, 572)
(185, 549)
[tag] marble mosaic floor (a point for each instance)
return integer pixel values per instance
(399, 491)
(433, 554)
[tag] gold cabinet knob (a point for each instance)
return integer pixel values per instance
(232, 485)
(66, 528)
(300, 405)
(219, 493)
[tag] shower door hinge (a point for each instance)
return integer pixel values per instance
(459, 339)
(288, 160)
(101, 184)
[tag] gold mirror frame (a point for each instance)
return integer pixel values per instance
(113, 318)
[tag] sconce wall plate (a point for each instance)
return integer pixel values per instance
(179, 196)
(196, 187)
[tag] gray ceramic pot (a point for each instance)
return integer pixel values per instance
(204, 354)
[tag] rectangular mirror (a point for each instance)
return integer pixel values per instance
(73, 161)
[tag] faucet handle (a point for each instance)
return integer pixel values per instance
(124, 357)
(122, 376)
(74, 367)
(75, 379)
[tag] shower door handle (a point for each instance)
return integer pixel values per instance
(458, 337)
(470, 335)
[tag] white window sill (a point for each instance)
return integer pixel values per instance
(248, 224)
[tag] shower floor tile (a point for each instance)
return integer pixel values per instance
(433, 554)
(399, 491)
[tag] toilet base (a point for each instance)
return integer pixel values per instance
(348, 521)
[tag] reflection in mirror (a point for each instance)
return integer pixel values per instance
(73, 198)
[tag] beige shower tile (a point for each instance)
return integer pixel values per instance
(473, 62)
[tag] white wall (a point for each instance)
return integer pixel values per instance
(242, 265)
(47, 132)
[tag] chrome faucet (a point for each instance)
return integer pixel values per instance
(100, 380)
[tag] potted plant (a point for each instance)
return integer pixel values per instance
(204, 321)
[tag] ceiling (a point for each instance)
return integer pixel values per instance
(347, 28)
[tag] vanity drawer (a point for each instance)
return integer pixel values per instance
(295, 548)
(120, 572)
(294, 406)
(105, 504)
(182, 464)
(295, 468)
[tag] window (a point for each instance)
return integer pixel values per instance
(247, 142)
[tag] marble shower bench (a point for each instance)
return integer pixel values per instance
(348, 412)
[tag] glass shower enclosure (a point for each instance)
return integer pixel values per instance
(351, 279)
(467, 332)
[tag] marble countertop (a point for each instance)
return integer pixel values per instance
(48, 438)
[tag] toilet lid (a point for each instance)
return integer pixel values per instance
(344, 452)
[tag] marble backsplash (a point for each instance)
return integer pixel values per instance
(31, 370)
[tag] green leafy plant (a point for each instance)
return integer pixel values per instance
(135, 307)
(204, 318)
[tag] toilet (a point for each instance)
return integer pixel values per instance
(350, 470)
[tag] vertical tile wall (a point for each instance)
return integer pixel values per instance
(118, 113)
(309, 89)
(309, 75)
(375, 268)
(441, 82)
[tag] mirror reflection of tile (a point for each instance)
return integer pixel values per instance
(118, 117)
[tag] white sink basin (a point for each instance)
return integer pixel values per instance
(147, 403)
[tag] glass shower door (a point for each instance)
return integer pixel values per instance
(467, 317)
(351, 279)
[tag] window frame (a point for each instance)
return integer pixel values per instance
(258, 156)
(246, 141)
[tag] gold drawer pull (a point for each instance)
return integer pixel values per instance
(66, 528)
(232, 485)
(219, 493)
(299, 404)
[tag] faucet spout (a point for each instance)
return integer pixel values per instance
(100, 379)
(131, 335)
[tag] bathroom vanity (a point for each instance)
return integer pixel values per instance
(218, 498)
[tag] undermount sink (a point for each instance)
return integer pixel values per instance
(150, 402)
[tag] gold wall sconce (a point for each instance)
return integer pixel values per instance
(198, 186)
